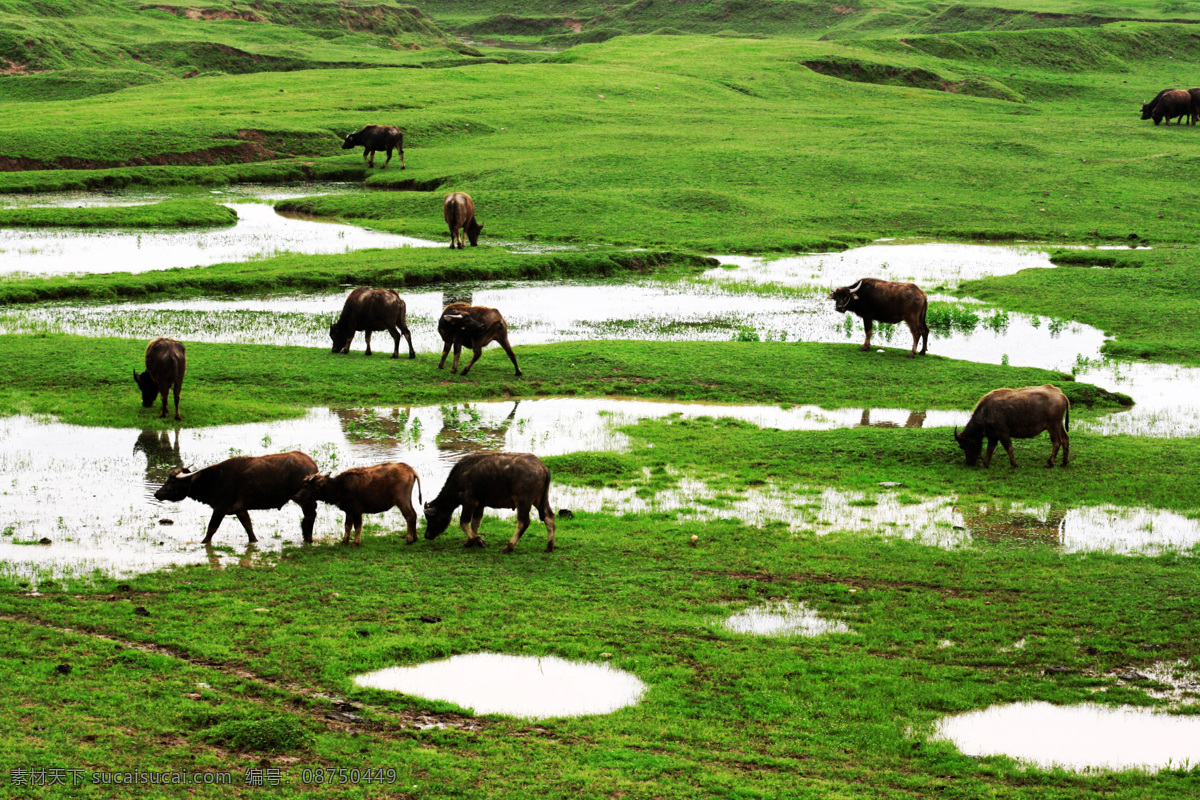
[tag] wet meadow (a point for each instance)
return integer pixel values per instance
(774, 574)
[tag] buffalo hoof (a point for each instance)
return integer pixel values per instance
(395, 355)
(477, 542)
(508, 548)
(550, 548)
(519, 373)
(412, 355)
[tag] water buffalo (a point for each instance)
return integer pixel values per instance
(165, 364)
(886, 301)
(492, 480)
(459, 211)
(245, 483)
(377, 137)
(371, 310)
(475, 327)
(366, 490)
(1170, 104)
(1006, 414)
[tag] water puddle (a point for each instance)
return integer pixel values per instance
(259, 233)
(783, 619)
(517, 686)
(138, 196)
(1175, 682)
(1080, 738)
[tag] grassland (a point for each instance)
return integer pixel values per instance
(818, 127)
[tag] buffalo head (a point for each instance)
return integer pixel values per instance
(971, 446)
(311, 490)
(436, 520)
(341, 341)
(148, 387)
(473, 228)
(179, 480)
(1147, 110)
(467, 325)
(843, 297)
(351, 141)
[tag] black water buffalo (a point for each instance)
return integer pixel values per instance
(245, 483)
(366, 490)
(1006, 414)
(1170, 104)
(475, 327)
(459, 211)
(886, 301)
(493, 480)
(371, 310)
(166, 362)
(377, 137)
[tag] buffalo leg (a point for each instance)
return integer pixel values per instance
(396, 341)
(445, 352)
(453, 238)
(310, 519)
(178, 386)
(371, 160)
(213, 523)
(349, 525)
(522, 526)
(388, 160)
(367, 336)
(869, 325)
(457, 353)
(165, 392)
(916, 334)
(410, 517)
(408, 337)
(1007, 442)
(469, 520)
(503, 340)
(1066, 445)
(987, 457)
(478, 351)
(244, 518)
(358, 523)
(547, 515)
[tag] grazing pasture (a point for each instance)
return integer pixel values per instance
(650, 174)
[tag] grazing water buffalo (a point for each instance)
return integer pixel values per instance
(493, 480)
(245, 483)
(1006, 414)
(1170, 104)
(165, 364)
(371, 310)
(475, 327)
(377, 137)
(366, 490)
(886, 301)
(459, 211)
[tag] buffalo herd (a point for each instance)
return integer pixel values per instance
(1169, 104)
(521, 481)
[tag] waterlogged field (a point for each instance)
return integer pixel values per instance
(774, 575)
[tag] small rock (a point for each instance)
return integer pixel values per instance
(192, 695)
(342, 716)
(1058, 670)
(1133, 676)
(695, 540)
(1149, 646)
(1091, 651)
(165, 521)
(566, 513)
(260, 609)
(124, 587)
(63, 669)
(606, 655)
(1045, 192)
(44, 540)
(430, 618)
(141, 611)
(890, 484)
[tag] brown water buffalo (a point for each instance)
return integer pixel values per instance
(166, 362)
(377, 137)
(1006, 414)
(459, 211)
(475, 327)
(492, 480)
(245, 483)
(1170, 104)
(876, 300)
(370, 310)
(366, 490)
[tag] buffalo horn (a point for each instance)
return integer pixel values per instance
(956, 433)
(854, 288)
(135, 376)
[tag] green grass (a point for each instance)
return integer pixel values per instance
(183, 213)
(87, 381)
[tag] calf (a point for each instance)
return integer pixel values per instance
(370, 310)
(886, 301)
(459, 213)
(1006, 414)
(492, 480)
(166, 362)
(377, 137)
(245, 483)
(366, 490)
(473, 326)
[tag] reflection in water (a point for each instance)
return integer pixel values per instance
(464, 429)
(161, 454)
(915, 419)
(1078, 737)
(456, 295)
(139, 197)
(518, 686)
(783, 619)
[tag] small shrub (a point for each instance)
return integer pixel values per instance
(271, 735)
